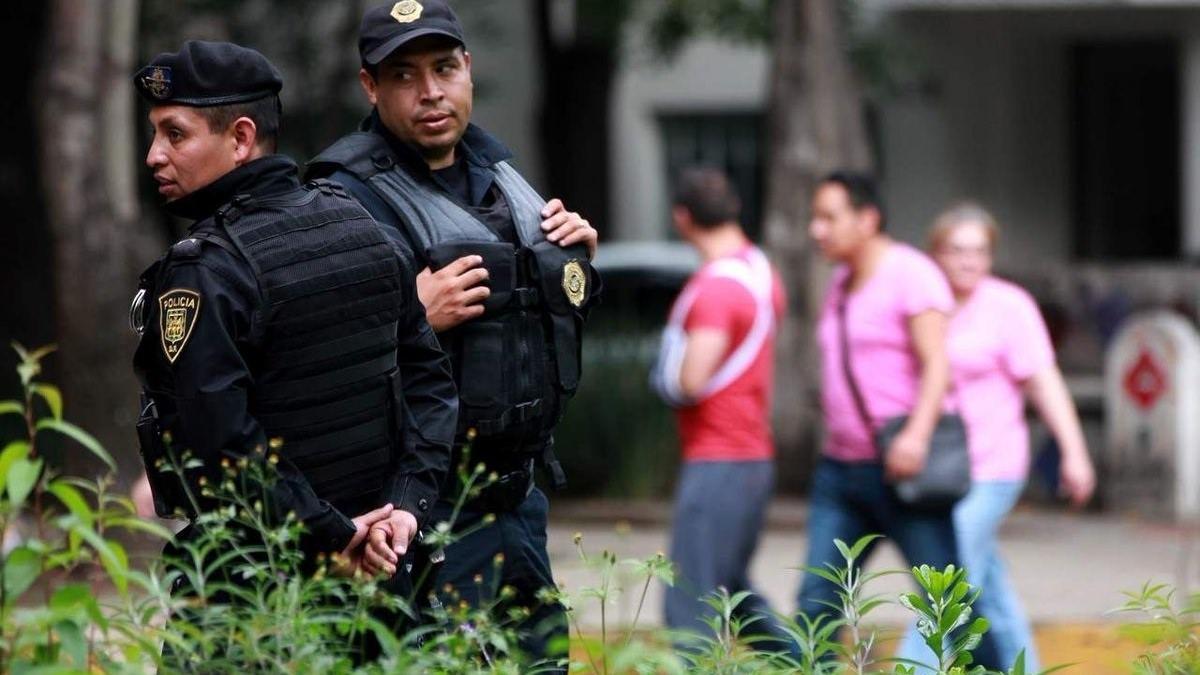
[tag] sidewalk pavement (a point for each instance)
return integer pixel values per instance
(1069, 568)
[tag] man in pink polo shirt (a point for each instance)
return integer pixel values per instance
(717, 369)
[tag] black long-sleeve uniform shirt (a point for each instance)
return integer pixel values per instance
(204, 393)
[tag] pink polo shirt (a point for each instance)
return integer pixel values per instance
(905, 284)
(997, 341)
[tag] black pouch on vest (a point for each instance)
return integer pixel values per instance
(499, 258)
(565, 278)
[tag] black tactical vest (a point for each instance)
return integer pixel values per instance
(518, 365)
(326, 381)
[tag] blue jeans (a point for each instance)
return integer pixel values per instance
(976, 520)
(719, 513)
(850, 500)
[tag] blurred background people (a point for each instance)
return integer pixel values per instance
(889, 305)
(1000, 352)
(717, 369)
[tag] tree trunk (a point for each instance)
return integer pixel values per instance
(816, 125)
(577, 74)
(89, 156)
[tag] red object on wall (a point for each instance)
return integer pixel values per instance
(1145, 381)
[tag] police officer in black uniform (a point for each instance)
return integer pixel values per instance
(507, 284)
(286, 319)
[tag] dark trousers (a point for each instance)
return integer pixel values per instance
(850, 500)
(520, 535)
(719, 513)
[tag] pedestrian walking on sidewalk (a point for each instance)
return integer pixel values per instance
(881, 335)
(717, 369)
(1000, 352)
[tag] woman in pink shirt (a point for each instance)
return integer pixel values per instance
(1000, 352)
(896, 306)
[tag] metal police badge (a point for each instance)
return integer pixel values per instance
(178, 310)
(574, 282)
(407, 11)
(158, 82)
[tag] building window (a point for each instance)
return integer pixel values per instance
(727, 140)
(1126, 150)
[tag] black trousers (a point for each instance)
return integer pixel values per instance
(473, 575)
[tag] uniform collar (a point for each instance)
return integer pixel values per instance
(264, 176)
(478, 148)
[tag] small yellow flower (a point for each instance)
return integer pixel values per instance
(275, 443)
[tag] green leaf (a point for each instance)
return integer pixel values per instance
(70, 635)
(862, 544)
(74, 502)
(42, 352)
(22, 476)
(80, 436)
(112, 556)
(21, 569)
(53, 398)
(11, 453)
(11, 407)
(19, 348)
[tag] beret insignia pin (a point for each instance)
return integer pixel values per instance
(574, 282)
(178, 309)
(407, 11)
(158, 82)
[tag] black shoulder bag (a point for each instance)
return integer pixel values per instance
(947, 473)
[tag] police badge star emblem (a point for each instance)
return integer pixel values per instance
(178, 309)
(158, 82)
(574, 282)
(407, 11)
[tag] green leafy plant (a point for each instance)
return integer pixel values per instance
(1167, 626)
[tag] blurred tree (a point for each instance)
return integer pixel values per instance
(816, 124)
(578, 42)
(88, 156)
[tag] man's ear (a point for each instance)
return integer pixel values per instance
(245, 139)
(368, 85)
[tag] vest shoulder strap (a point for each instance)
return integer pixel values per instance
(362, 153)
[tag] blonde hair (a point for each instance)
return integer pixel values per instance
(957, 214)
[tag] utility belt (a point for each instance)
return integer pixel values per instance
(512, 485)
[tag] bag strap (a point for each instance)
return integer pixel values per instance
(860, 403)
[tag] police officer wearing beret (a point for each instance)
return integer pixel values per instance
(286, 319)
(507, 283)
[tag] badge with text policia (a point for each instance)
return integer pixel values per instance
(574, 282)
(178, 309)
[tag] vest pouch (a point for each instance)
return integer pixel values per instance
(499, 259)
(488, 358)
(565, 277)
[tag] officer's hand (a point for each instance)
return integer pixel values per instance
(567, 227)
(453, 294)
(347, 561)
(387, 542)
(906, 456)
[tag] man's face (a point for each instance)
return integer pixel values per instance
(423, 92)
(185, 154)
(837, 226)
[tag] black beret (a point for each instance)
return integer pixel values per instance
(206, 74)
(386, 28)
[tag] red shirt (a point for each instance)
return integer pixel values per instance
(734, 424)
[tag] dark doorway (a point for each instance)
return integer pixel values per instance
(1126, 150)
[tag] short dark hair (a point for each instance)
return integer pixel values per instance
(708, 195)
(264, 112)
(863, 190)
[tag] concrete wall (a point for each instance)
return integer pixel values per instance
(707, 76)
